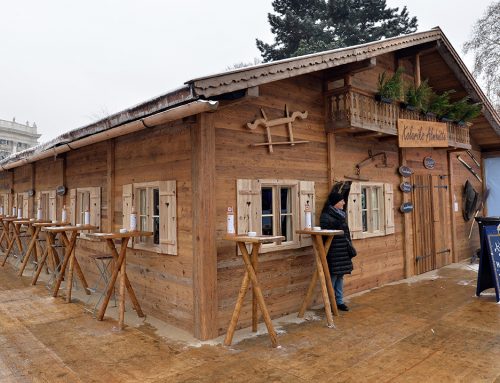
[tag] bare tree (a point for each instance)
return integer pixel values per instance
(485, 44)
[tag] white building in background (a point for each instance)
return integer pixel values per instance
(15, 137)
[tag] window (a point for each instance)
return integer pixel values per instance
(370, 209)
(155, 204)
(275, 207)
(47, 201)
(83, 199)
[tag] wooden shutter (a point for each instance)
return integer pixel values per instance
(354, 211)
(26, 205)
(306, 196)
(248, 200)
(389, 208)
(72, 206)
(52, 205)
(95, 207)
(127, 192)
(168, 217)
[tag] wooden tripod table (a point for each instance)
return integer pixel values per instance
(4, 236)
(120, 267)
(69, 256)
(322, 272)
(251, 276)
(34, 228)
(11, 232)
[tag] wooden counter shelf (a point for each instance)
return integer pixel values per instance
(251, 263)
(322, 272)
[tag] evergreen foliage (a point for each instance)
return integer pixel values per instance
(308, 26)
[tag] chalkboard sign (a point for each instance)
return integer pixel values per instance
(489, 263)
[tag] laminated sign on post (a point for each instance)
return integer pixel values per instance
(422, 134)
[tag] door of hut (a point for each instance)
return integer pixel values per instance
(430, 223)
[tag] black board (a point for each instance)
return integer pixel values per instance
(489, 262)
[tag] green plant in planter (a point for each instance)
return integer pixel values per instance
(439, 104)
(463, 111)
(418, 96)
(390, 88)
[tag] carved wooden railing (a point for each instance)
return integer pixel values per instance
(349, 107)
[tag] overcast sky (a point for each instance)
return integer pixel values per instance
(65, 64)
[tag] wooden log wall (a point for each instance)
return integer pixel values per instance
(285, 274)
(162, 283)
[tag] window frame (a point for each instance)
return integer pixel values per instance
(167, 217)
(385, 208)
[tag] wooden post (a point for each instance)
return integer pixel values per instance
(417, 70)
(407, 228)
(110, 173)
(203, 233)
(330, 140)
(451, 176)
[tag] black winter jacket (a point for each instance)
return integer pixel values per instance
(338, 258)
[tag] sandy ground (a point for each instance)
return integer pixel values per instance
(429, 328)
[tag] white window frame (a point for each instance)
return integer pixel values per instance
(385, 208)
(249, 209)
(76, 215)
(167, 217)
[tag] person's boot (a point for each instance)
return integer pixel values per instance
(343, 307)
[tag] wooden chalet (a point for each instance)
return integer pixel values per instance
(266, 141)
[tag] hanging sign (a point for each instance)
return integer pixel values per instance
(422, 134)
(405, 171)
(61, 190)
(31, 193)
(406, 187)
(406, 207)
(489, 263)
(429, 163)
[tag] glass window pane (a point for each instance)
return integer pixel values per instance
(267, 225)
(375, 193)
(376, 220)
(156, 202)
(286, 227)
(156, 230)
(267, 200)
(142, 201)
(286, 200)
(364, 217)
(363, 198)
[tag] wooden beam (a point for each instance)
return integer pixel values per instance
(348, 69)
(407, 228)
(417, 70)
(110, 177)
(452, 196)
(204, 221)
(330, 140)
(422, 49)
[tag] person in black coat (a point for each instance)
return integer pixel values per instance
(333, 217)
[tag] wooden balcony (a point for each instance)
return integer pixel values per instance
(354, 111)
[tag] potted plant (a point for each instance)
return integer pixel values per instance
(389, 89)
(462, 111)
(439, 105)
(417, 97)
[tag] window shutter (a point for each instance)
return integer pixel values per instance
(248, 200)
(168, 217)
(354, 211)
(38, 202)
(95, 207)
(52, 205)
(306, 197)
(389, 208)
(72, 206)
(26, 205)
(126, 205)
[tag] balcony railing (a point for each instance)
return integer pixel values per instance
(351, 109)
